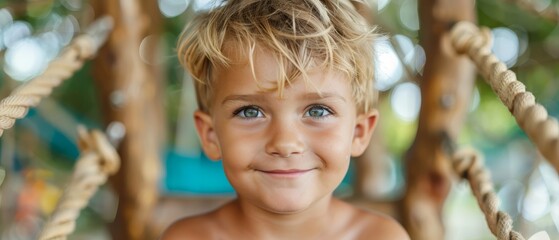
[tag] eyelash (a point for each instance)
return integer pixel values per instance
(328, 110)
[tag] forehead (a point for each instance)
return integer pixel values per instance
(244, 57)
(265, 67)
(261, 75)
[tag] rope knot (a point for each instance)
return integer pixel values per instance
(97, 142)
(465, 35)
(85, 46)
(98, 159)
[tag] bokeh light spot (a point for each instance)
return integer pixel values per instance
(15, 32)
(536, 201)
(203, 5)
(172, 8)
(406, 101)
(25, 59)
(381, 4)
(388, 68)
(409, 16)
(406, 47)
(474, 104)
(505, 45)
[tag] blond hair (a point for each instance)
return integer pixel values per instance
(300, 35)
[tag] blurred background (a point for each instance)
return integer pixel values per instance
(38, 154)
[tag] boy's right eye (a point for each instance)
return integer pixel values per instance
(249, 112)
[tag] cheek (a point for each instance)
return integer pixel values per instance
(333, 148)
(238, 144)
(333, 144)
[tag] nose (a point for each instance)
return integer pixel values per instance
(284, 139)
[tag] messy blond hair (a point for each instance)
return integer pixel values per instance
(300, 34)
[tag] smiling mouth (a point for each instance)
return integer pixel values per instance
(286, 173)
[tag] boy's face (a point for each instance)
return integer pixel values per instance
(282, 154)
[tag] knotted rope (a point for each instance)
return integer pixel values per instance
(532, 117)
(98, 160)
(468, 164)
(70, 60)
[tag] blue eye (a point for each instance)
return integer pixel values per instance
(249, 112)
(318, 112)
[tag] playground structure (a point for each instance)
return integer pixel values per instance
(98, 158)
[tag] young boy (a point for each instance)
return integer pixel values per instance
(285, 95)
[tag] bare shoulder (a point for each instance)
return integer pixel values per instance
(196, 227)
(378, 226)
(357, 223)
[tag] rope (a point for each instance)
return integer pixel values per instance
(532, 117)
(98, 160)
(70, 60)
(468, 164)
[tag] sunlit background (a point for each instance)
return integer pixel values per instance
(40, 151)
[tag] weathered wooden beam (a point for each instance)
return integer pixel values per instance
(446, 88)
(131, 93)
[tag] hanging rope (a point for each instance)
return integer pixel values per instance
(97, 161)
(532, 117)
(70, 60)
(468, 164)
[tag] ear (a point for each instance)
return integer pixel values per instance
(364, 127)
(208, 137)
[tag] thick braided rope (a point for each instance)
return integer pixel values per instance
(98, 160)
(70, 60)
(532, 117)
(468, 164)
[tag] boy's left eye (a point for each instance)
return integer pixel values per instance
(318, 112)
(249, 112)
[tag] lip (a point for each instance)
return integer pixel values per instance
(286, 172)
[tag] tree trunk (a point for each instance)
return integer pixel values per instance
(446, 89)
(131, 93)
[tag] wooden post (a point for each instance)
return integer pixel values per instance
(131, 93)
(446, 89)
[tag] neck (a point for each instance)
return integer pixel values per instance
(264, 224)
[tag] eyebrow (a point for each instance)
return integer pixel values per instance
(245, 98)
(261, 98)
(323, 95)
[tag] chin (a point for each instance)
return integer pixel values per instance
(287, 205)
